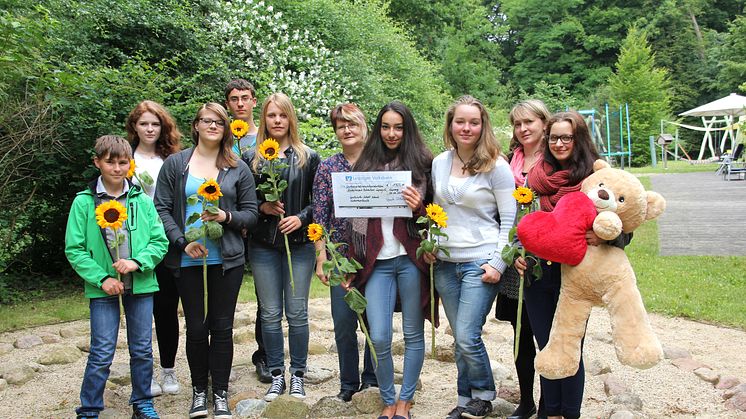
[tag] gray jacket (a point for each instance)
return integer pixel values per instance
(239, 199)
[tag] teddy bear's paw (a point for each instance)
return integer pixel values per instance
(555, 365)
(642, 356)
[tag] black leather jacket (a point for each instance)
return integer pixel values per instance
(297, 200)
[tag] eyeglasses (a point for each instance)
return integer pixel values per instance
(208, 122)
(565, 139)
(351, 126)
(245, 98)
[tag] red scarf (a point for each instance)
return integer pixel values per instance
(550, 187)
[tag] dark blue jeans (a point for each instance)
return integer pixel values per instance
(561, 397)
(345, 334)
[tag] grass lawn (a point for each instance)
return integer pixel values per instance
(675, 167)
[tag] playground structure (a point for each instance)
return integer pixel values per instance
(617, 141)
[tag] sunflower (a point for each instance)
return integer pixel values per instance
(523, 195)
(435, 212)
(239, 128)
(111, 215)
(210, 190)
(131, 172)
(269, 149)
(315, 232)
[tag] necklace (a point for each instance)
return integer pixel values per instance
(463, 164)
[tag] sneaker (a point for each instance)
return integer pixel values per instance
(220, 402)
(456, 412)
(277, 387)
(155, 388)
(477, 409)
(169, 383)
(144, 410)
(199, 403)
(296, 385)
(86, 416)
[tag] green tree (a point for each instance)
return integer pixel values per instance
(645, 87)
(733, 57)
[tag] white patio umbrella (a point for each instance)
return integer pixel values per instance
(728, 107)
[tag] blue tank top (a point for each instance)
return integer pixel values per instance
(214, 255)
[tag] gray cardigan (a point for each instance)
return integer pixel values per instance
(239, 199)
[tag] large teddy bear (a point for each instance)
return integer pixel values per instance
(611, 201)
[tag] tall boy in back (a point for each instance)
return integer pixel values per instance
(111, 274)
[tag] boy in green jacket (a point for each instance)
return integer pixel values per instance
(114, 240)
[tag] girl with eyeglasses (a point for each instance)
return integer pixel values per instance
(209, 336)
(387, 247)
(569, 154)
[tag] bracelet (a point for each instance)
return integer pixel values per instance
(227, 217)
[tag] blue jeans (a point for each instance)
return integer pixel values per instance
(388, 277)
(467, 300)
(345, 334)
(104, 321)
(272, 281)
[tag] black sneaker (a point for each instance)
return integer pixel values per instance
(262, 372)
(296, 385)
(144, 410)
(220, 402)
(477, 409)
(456, 412)
(199, 403)
(277, 387)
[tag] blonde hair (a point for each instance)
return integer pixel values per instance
(533, 107)
(349, 112)
(487, 149)
(283, 102)
(226, 157)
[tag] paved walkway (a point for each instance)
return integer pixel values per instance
(705, 215)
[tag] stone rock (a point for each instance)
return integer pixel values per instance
(332, 407)
(511, 394)
(72, 331)
(119, 374)
(399, 377)
(37, 367)
(322, 312)
(604, 337)
(737, 402)
(361, 342)
(397, 348)
(286, 407)
(19, 375)
(318, 375)
(622, 414)
(396, 326)
(629, 400)
(726, 382)
(243, 336)
(244, 395)
(27, 341)
(122, 343)
(48, 338)
(250, 407)
(61, 356)
(233, 375)
(243, 318)
(332, 349)
(449, 331)
(687, 364)
(674, 352)
(5, 348)
(368, 401)
(597, 367)
(707, 374)
(499, 371)
(3, 384)
(315, 348)
(502, 408)
(613, 386)
(110, 413)
(84, 344)
(445, 353)
(741, 388)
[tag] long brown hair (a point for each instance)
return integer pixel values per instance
(226, 157)
(584, 152)
(487, 149)
(283, 102)
(169, 142)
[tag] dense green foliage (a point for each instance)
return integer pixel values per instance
(71, 70)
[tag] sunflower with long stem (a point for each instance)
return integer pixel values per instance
(112, 214)
(435, 220)
(239, 128)
(209, 195)
(338, 268)
(143, 178)
(273, 187)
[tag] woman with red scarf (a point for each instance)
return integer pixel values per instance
(568, 159)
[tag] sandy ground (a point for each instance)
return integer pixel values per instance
(665, 390)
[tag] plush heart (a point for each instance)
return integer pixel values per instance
(559, 235)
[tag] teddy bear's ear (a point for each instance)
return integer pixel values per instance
(600, 164)
(656, 205)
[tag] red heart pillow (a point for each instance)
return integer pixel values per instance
(559, 235)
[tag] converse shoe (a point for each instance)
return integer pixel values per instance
(296, 385)
(169, 383)
(277, 387)
(220, 402)
(144, 410)
(477, 409)
(199, 403)
(155, 388)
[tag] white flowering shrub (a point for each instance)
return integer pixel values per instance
(280, 58)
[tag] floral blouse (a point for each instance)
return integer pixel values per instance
(323, 201)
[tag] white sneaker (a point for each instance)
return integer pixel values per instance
(296, 386)
(155, 388)
(169, 382)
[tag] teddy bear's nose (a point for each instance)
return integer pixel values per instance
(603, 194)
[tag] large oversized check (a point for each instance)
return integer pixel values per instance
(370, 194)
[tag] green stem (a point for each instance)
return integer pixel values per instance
(517, 338)
(290, 262)
(432, 311)
(204, 267)
(119, 276)
(367, 338)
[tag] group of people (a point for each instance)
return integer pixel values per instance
(147, 264)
